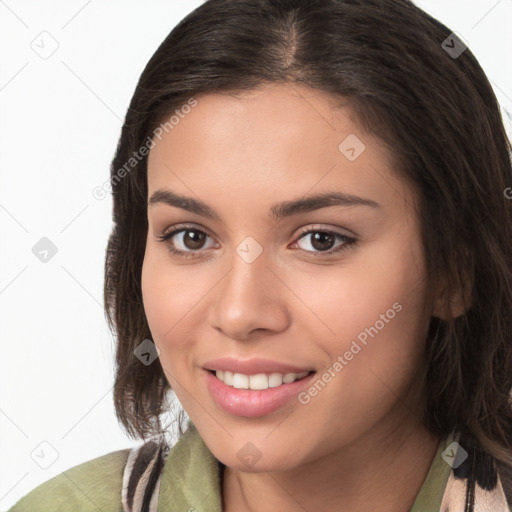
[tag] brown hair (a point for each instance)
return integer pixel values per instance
(440, 119)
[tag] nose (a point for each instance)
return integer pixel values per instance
(249, 299)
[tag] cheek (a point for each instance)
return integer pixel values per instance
(172, 297)
(377, 314)
(160, 295)
(345, 302)
(157, 295)
(370, 314)
(372, 360)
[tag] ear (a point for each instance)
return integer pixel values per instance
(454, 303)
(453, 309)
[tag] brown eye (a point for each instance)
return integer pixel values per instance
(324, 242)
(193, 239)
(186, 241)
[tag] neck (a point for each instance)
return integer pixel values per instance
(375, 472)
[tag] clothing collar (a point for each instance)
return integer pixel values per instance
(192, 476)
(192, 480)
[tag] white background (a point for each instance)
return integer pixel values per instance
(60, 119)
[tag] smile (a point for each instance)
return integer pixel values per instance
(258, 381)
(257, 394)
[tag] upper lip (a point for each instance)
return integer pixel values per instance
(252, 366)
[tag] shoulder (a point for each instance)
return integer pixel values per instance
(91, 486)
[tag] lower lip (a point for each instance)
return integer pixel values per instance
(252, 403)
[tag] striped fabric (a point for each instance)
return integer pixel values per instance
(473, 486)
(142, 476)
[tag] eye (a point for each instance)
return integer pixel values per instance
(323, 242)
(189, 241)
(185, 241)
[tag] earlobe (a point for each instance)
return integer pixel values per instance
(457, 304)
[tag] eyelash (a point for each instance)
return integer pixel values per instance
(165, 237)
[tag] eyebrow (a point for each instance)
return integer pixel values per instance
(278, 211)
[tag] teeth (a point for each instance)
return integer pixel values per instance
(275, 379)
(289, 377)
(258, 381)
(228, 378)
(240, 381)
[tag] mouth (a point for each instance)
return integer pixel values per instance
(255, 395)
(258, 381)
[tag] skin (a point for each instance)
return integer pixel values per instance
(359, 442)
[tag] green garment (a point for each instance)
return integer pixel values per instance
(191, 481)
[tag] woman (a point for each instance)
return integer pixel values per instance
(313, 249)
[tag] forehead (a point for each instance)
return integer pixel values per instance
(275, 139)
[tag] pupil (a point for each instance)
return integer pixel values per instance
(320, 239)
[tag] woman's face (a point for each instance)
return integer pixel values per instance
(271, 278)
